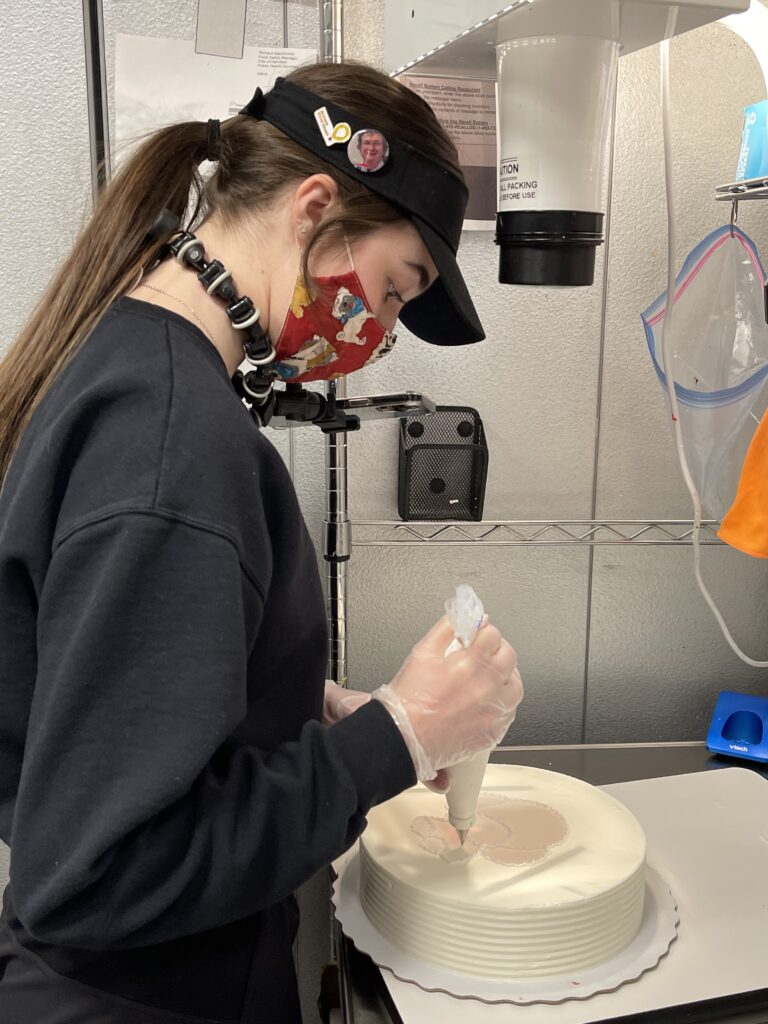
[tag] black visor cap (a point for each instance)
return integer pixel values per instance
(429, 195)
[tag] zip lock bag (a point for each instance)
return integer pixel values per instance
(718, 343)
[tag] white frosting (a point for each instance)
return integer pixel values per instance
(572, 896)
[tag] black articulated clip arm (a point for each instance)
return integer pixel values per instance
(295, 405)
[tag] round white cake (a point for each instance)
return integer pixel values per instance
(551, 878)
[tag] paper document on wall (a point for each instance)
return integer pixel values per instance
(161, 81)
(467, 110)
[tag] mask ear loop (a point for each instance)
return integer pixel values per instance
(348, 247)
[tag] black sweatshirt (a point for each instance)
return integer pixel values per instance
(165, 784)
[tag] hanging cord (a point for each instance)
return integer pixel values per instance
(666, 355)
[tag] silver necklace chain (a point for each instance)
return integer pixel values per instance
(181, 302)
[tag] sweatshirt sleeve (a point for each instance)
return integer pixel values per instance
(134, 822)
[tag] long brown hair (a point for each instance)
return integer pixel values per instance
(256, 162)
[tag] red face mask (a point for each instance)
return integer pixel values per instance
(330, 335)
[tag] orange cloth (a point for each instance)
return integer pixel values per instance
(745, 527)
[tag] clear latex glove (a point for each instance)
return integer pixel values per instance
(339, 701)
(448, 708)
(440, 784)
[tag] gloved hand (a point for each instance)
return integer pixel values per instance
(339, 701)
(449, 708)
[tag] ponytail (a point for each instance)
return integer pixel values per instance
(104, 262)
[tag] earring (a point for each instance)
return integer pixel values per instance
(302, 227)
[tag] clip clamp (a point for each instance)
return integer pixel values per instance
(256, 387)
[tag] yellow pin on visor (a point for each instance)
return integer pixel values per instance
(341, 132)
(333, 134)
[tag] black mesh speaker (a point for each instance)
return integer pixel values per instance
(443, 465)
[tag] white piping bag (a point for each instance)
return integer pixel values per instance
(465, 614)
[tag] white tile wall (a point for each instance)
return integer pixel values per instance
(44, 161)
(657, 660)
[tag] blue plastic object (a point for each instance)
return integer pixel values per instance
(753, 154)
(740, 726)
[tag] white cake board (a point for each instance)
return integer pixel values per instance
(657, 931)
(708, 838)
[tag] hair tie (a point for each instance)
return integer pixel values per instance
(213, 146)
(165, 224)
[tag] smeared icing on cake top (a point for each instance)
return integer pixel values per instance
(506, 831)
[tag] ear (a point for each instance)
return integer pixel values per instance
(314, 199)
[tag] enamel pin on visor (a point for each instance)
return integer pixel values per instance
(367, 149)
(333, 134)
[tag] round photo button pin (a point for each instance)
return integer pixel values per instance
(368, 150)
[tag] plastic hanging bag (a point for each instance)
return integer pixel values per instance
(719, 348)
(465, 613)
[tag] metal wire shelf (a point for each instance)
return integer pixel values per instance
(739, 191)
(542, 533)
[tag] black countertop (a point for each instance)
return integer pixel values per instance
(366, 999)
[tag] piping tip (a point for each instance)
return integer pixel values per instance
(463, 832)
